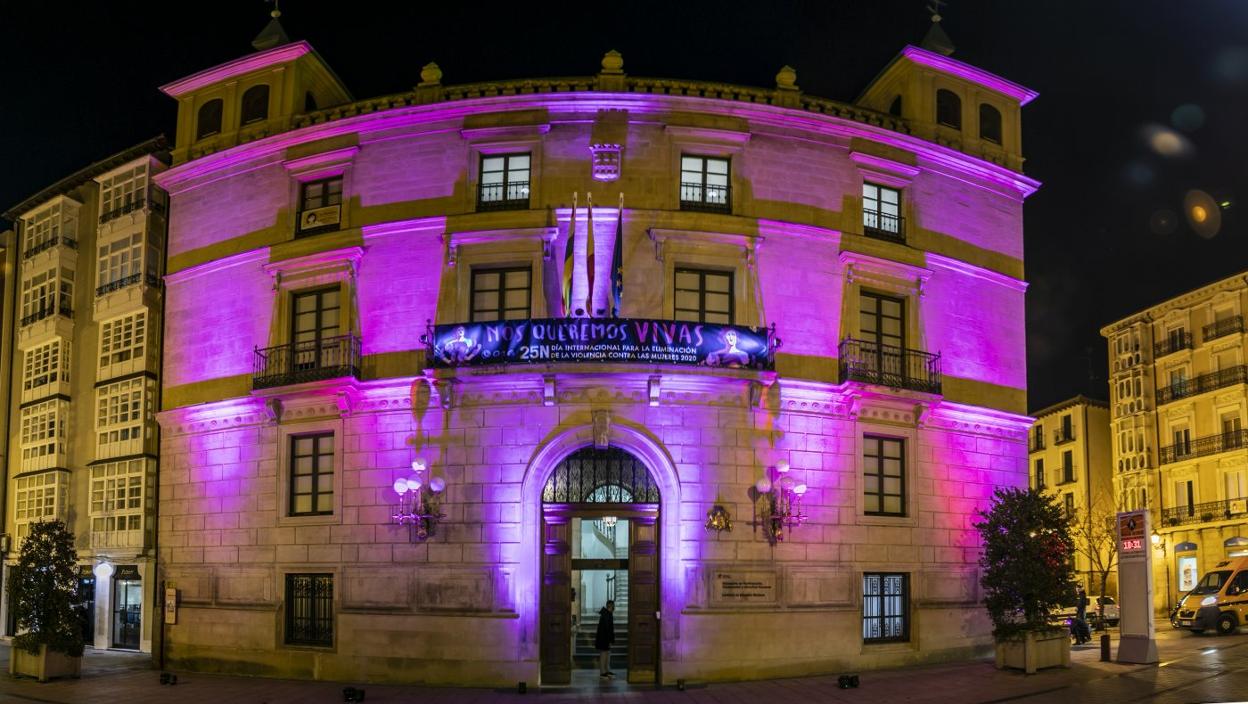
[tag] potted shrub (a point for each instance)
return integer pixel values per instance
(1025, 574)
(43, 592)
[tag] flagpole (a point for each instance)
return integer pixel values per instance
(589, 254)
(569, 259)
(617, 263)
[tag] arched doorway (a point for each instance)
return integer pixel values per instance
(589, 491)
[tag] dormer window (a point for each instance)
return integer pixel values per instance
(208, 121)
(989, 123)
(948, 109)
(255, 104)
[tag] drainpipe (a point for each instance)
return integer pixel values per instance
(11, 265)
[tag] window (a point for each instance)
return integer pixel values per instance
(1068, 504)
(501, 294)
(120, 263)
(1232, 438)
(1178, 382)
(315, 325)
(1236, 484)
(1038, 435)
(1183, 497)
(884, 479)
(948, 109)
(39, 497)
(1182, 442)
(881, 212)
(209, 119)
(1067, 431)
(120, 410)
(704, 296)
(255, 104)
(504, 182)
(989, 123)
(117, 496)
(47, 293)
(1068, 466)
(705, 184)
(50, 226)
(310, 609)
(319, 194)
(122, 339)
(1039, 474)
(43, 433)
(894, 108)
(885, 607)
(312, 475)
(44, 364)
(881, 327)
(123, 192)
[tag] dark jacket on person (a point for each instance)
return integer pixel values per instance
(606, 630)
(1081, 604)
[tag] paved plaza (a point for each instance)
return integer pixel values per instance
(1193, 669)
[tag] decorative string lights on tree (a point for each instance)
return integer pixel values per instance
(420, 500)
(777, 500)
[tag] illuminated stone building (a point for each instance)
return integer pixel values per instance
(821, 318)
(83, 379)
(1177, 375)
(1071, 462)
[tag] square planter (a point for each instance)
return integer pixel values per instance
(44, 665)
(1035, 650)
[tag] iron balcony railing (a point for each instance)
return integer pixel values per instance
(896, 367)
(707, 198)
(503, 196)
(49, 244)
(1203, 513)
(130, 208)
(883, 226)
(151, 280)
(1173, 343)
(1204, 446)
(313, 360)
(1203, 383)
(1223, 327)
(62, 309)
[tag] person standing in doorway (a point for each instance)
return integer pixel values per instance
(603, 639)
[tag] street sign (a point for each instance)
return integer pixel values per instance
(171, 604)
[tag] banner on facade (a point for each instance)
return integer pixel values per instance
(625, 340)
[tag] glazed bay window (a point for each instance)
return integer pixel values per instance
(118, 493)
(705, 184)
(881, 213)
(310, 610)
(704, 296)
(119, 263)
(320, 205)
(56, 224)
(122, 340)
(121, 408)
(43, 365)
(504, 182)
(39, 497)
(312, 475)
(501, 294)
(42, 437)
(123, 192)
(47, 293)
(885, 607)
(883, 476)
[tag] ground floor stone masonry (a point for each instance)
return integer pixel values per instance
(465, 606)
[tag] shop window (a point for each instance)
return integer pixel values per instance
(255, 105)
(704, 296)
(208, 121)
(501, 294)
(989, 123)
(884, 477)
(310, 609)
(885, 607)
(948, 109)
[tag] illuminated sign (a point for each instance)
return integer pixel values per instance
(624, 340)
(1131, 537)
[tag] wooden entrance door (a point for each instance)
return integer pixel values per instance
(643, 599)
(556, 598)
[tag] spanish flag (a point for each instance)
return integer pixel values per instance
(617, 264)
(567, 262)
(589, 255)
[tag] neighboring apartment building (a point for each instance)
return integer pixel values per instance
(1177, 385)
(386, 451)
(85, 382)
(1071, 462)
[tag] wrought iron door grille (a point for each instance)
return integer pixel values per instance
(310, 609)
(593, 476)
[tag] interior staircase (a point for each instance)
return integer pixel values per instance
(583, 653)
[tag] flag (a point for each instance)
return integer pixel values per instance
(589, 255)
(617, 265)
(567, 262)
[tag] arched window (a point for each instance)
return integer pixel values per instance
(209, 119)
(948, 109)
(989, 123)
(255, 104)
(595, 476)
(895, 108)
(309, 102)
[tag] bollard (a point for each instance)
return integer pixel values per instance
(1104, 647)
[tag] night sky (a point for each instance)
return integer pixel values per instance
(1140, 103)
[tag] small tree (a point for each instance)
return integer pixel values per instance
(1096, 539)
(1025, 565)
(43, 591)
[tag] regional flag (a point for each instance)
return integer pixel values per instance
(567, 262)
(617, 264)
(589, 255)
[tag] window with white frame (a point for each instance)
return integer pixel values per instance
(120, 262)
(120, 410)
(123, 339)
(46, 227)
(42, 291)
(39, 497)
(123, 192)
(44, 365)
(43, 432)
(117, 495)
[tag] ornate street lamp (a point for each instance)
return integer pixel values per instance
(419, 502)
(777, 500)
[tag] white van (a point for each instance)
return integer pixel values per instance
(1219, 601)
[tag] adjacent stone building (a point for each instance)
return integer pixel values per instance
(84, 313)
(1177, 375)
(389, 453)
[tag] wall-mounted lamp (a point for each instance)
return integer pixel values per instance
(777, 500)
(103, 570)
(419, 502)
(718, 519)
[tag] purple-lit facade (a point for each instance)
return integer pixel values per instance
(878, 256)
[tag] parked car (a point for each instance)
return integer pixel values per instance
(1104, 607)
(1218, 601)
